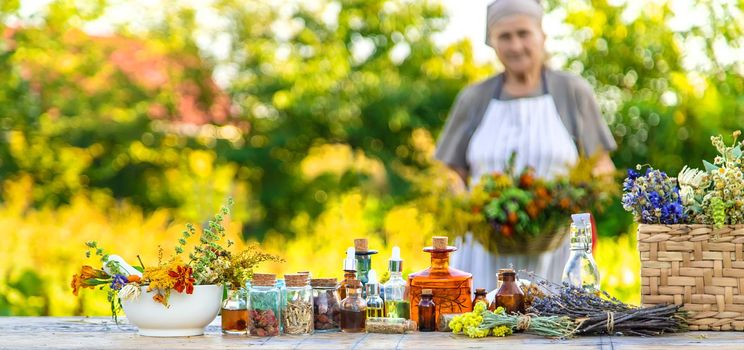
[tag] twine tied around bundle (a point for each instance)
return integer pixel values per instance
(610, 322)
(523, 322)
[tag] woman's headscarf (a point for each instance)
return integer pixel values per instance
(500, 9)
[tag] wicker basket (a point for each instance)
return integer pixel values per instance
(697, 266)
(526, 244)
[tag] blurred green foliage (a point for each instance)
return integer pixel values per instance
(323, 99)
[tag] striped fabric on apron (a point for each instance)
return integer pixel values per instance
(532, 129)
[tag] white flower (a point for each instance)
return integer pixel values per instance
(691, 180)
(130, 292)
(692, 177)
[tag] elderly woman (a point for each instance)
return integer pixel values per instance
(546, 118)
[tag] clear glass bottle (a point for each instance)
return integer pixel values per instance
(235, 312)
(581, 270)
(326, 305)
(394, 291)
(297, 311)
(451, 287)
(264, 306)
(427, 312)
(363, 261)
(350, 268)
(509, 296)
(375, 304)
(353, 309)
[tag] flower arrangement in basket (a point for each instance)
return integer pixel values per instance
(691, 236)
(714, 196)
(210, 266)
(520, 212)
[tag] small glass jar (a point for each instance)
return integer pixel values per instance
(281, 285)
(353, 309)
(326, 305)
(427, 312)
(480, 295)
(509, 296)
(235, 312)
(297, 309)
(389, 325)
(264, 304)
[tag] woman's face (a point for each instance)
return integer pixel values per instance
(519, 42)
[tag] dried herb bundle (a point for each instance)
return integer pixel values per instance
(602, 314)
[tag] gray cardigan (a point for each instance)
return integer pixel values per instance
(573, 98)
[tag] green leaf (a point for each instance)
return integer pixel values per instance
(709, 167)
(139, 268)
(736, 152)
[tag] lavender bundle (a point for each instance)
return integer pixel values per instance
(600, 313)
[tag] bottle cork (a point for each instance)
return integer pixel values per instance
(439, 242)
(295, 280)
(324, 282)
(361, 245)
(426, 292)
(264, 279)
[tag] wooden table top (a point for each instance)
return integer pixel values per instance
(103, 333)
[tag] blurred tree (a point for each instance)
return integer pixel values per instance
(364, 73)
(662, 97)
(82, 112)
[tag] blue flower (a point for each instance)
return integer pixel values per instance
(118, 282)
(632, 174)
(653, 197)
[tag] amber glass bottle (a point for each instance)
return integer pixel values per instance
(427, 312)
(480, 295)
(451, 288)
(509, 296)
(353, 309)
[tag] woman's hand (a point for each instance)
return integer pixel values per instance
(604, 165)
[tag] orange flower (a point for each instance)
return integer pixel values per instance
(87, 272)
(184, 280)
(159, 298)
(81, 280)
(527, 179)
(507, 231)
(532, 210)
(133, 278)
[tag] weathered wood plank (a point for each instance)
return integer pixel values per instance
(102, 333)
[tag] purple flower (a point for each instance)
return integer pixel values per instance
(118, 282)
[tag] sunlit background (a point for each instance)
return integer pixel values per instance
(120, 121)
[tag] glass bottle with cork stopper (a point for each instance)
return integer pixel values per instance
(350, 270)
(297, 310)
(427, 312)
(326, 304)
(353, 309)
(264, 306)
(480, 295)
(364, 261)
(451, 288)
(509, 296)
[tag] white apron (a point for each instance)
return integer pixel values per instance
(533, 129)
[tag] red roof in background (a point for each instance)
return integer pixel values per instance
(198, 100)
